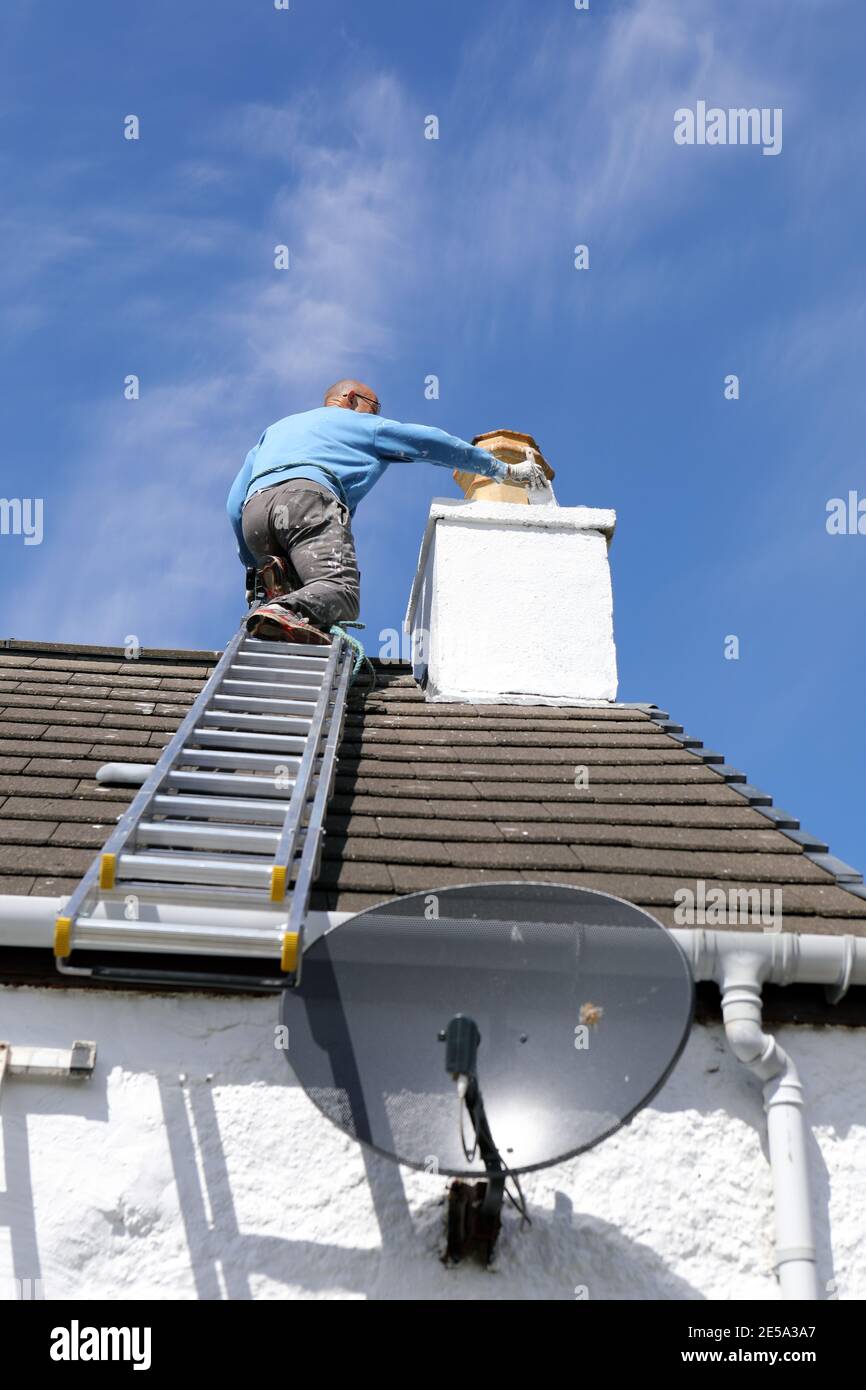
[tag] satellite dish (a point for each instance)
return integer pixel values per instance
(565, 1008)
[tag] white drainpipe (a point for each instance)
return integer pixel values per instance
(740, 963)
(786, 1127)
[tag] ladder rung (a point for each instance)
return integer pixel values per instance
(196, 835)
(268, 762)
(255, 644)
(192, 896)
(249, 703)
(297, 690)
(242, 740)
(221, 808)
(224, 782)
(278, 661)
(257, 723)
(190, 868)
(181, 937)
(262, 674)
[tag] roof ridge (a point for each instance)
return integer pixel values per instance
(84, 649)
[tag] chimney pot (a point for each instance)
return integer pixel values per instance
(510, 446)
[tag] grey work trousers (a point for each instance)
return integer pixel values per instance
(307, 525)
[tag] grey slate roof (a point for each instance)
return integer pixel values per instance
(427, 794)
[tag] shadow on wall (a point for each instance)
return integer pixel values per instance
(559, 1258)
(99, 1207)
(81, 1099)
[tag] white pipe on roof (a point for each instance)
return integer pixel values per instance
(128, 774)
(740, 963)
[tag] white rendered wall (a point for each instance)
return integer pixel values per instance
(138, 1184)
(515, 604)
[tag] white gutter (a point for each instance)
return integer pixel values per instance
(740, 963)
(31, 921)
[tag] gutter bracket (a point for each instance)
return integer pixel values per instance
(833, 993)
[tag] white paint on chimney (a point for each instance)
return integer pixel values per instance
(514, 604)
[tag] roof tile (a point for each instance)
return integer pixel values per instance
(82, 835)
(427, 794)
(26, 808)
(31, 832)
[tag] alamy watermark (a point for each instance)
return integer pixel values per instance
(740, 125)
(400, 647)
(22, 516)
(846, 516)
(716, 907)
(77, 1343)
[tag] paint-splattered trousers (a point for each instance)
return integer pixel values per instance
(307, 525)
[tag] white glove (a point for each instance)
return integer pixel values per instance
(529, 474)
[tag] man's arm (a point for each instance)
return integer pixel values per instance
(406, 443)
(235, 505)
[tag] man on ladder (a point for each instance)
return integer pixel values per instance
(292, 503)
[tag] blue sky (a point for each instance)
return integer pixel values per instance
(455, 257)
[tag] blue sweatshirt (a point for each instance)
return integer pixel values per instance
(347, 452)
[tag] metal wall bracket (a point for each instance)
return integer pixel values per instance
(75, 1063)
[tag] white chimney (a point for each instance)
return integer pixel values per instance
(513, 604)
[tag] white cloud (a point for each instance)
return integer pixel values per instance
(578, 146)
(139, 541)
(581, 147)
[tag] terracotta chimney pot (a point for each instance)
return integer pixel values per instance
(510, 446)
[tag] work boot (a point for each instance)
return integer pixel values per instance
(273, 623)
(273, 573)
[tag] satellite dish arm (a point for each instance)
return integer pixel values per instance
(496, 1171)
(462, 1038)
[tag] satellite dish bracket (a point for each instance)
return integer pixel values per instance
(474, 1210)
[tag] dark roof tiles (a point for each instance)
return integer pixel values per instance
(426, 795)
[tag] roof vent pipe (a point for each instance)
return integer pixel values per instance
(125, 774)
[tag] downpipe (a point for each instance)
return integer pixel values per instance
(786, 1127)
(741, 963)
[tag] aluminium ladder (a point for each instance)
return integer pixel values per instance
(208, 874)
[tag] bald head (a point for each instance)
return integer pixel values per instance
(353, 395)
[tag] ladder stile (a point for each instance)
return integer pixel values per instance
(311, 853)
(285, 850)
